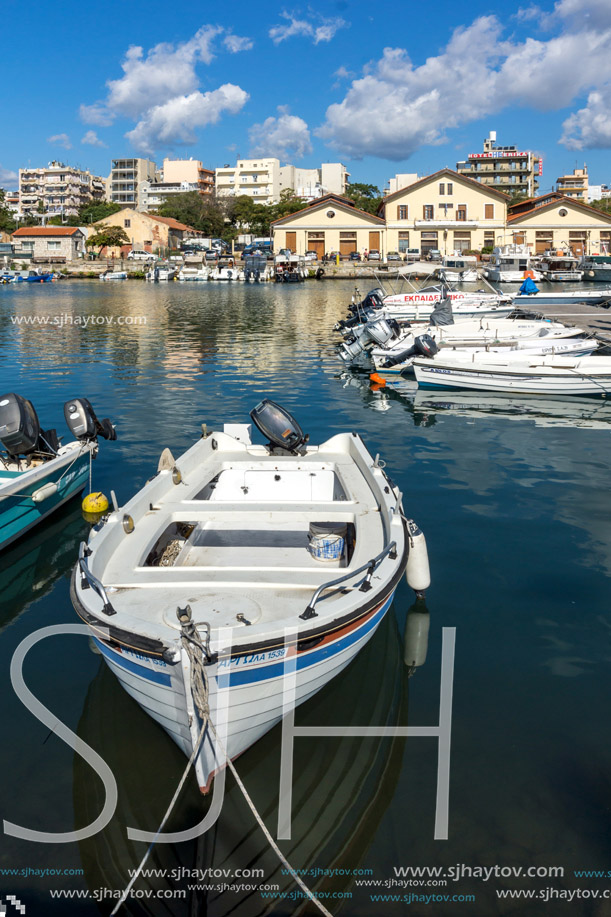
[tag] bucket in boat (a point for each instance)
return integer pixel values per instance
(327, 540)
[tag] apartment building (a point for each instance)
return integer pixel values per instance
(257, 178)
(59, 188)
(574, 185)
(125, 183)
(401, 180)
(504, 168)
(266, 179)
(178, 176)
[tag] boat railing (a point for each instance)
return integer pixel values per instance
(88, 580)
(390, 550)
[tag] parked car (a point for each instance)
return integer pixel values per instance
(311, 256)
(393, 256)
(412, 254)
(373, 255)
(433, 255)
(211, 254)
(138, 254)
(354, 256)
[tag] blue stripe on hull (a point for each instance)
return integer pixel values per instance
(276, 669)
(159, 678)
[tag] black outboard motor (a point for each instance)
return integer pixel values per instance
(373, 300)
(19, 425)
(423, 346)
(84, 424)
(20, 432)
(280, 427)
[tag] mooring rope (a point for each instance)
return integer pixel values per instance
(196, 651)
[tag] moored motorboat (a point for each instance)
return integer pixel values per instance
(510, 264)
(459, 268)
(238, 564)
(549, 375)
(161, 271)
(113, 275)
(37, 473)
(419, 306)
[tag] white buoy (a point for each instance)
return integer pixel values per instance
(44, 492)
(416, 640)
(417, 572)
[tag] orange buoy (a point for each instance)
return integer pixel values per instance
(377, 379)
(529, 274)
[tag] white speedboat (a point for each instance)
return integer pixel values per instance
(239, 566)
(161, 271)
(418, 306)
(510, 264)
(596, 268)
(114, 275)
(226, 269)
(459, 268)
(193, 272)
(37, 473)
(538, 298)
(545, 375)
(521, 348)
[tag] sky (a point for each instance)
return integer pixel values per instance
(384, 87)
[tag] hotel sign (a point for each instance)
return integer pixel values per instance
(496, 154)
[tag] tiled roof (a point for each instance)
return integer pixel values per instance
(171, 222)
(46, 231)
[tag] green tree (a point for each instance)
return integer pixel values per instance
(517, 198)
(187, 208)
(94, 211)
(366, 197)
(603, 205)
(7, 222)
(108, 237)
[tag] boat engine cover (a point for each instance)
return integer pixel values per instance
(19, 426)
(426, 345)
(84, 424)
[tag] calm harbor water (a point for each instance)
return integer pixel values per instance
(513, 497)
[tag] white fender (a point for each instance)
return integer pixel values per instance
(417, 571)
(44, 492)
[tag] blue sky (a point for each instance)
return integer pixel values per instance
(384, 87)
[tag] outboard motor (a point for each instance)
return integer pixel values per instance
(424, 346)
(84, 424)
(19, 425)
(376, 332)
(280, 427)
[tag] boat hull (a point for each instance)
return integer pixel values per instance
(19, 514)
(246, 692)
(534, 381)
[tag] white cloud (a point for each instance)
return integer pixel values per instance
(165, 72)
(284, 137)
(7, 177)
(160, 91)
(235, 43)
(92, 139)
(319, 29)
(396, 107)
(174, 121)
(590, 127)
(60, 140)
(96, 114)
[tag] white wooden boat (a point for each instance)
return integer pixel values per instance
(37, 473)
(241, 562)
(510, 264)
(545, 375)
(419, 306)
(600, 297)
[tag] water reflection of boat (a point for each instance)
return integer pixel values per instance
(544, 412)
(342, 788)
(29, 569)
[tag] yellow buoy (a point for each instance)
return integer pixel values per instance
(95, 503)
